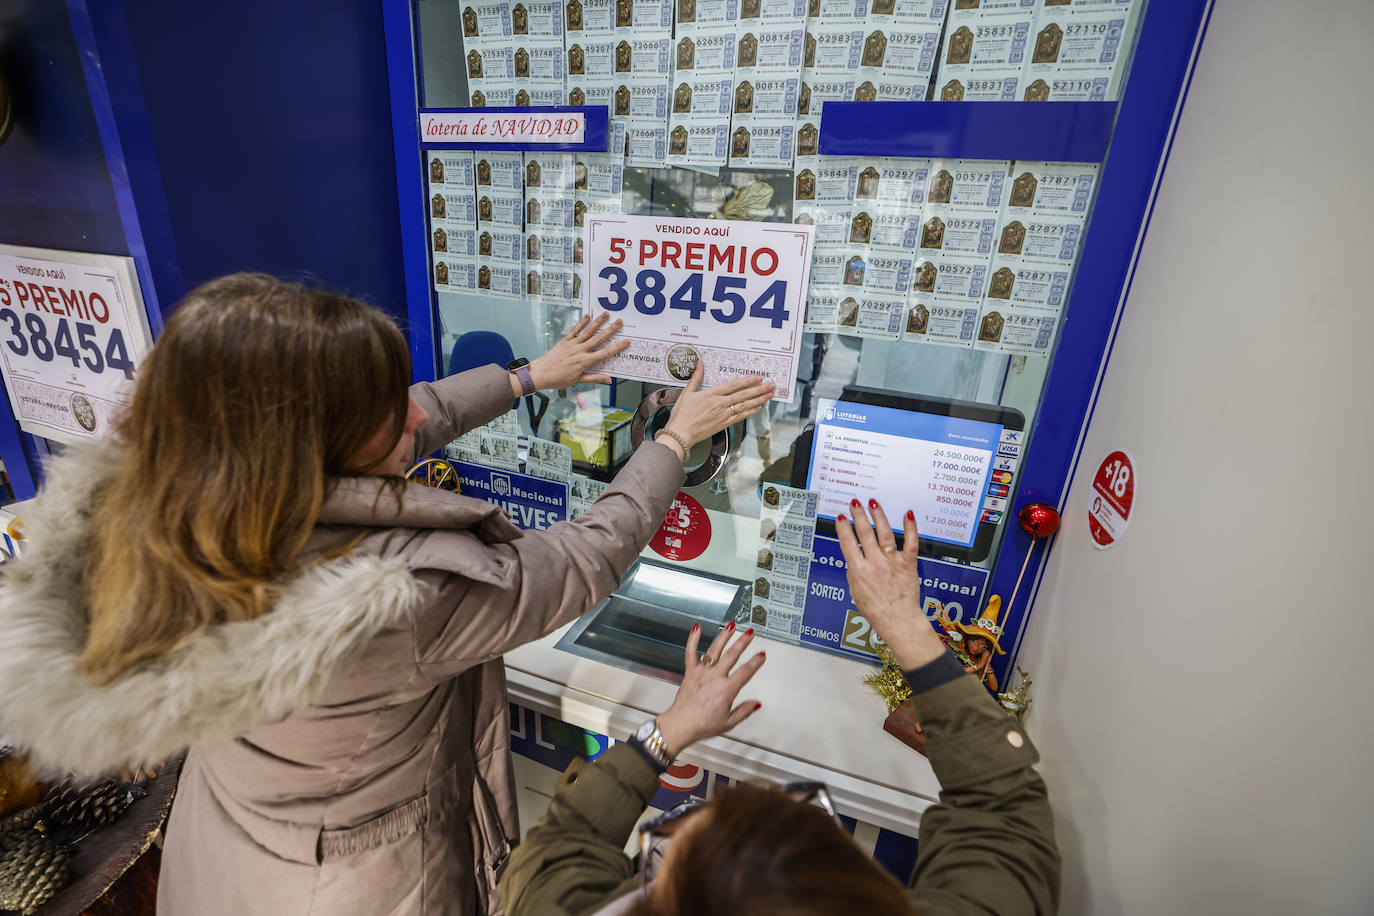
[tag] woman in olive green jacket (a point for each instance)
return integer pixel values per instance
(988, 846)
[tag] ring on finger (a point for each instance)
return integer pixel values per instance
(889, 548)
(733, 412)
(706, 660)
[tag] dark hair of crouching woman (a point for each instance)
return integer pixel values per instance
(988, 846)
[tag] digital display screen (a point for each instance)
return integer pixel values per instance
(936, 466)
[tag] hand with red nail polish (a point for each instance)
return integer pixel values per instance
(885, 587)
(705, 703)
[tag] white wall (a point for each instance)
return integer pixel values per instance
(1202, 691)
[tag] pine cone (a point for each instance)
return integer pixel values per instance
(79, 807)
(32, 869)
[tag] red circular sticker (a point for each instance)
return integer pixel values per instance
(1112, 497)
(685, 532)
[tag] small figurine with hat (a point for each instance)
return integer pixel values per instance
(980, 640)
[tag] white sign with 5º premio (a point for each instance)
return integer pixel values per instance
(72, 334)
(726, 292)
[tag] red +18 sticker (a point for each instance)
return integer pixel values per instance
(1112, 498)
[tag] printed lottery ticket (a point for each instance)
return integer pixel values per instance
(1048, 239)
(884, 228)
(962, 185)
(1008, 329)
(833, 47)
(1079, 52)
(503, 280)
(958, 233)
(538, 18)
(787, 517)
(994, 35)
(454, 274)
(492, 93)
(947, 322)
(451, 169)
(499, 244)
(641, 97)
(582, 493)
(500, 209)
(767, 95)
(995, 84)
(704, 50)
(821, 86)
(891, 183)
(951, 276)
(787, 525)
(645, 16)
(539, 60)
(646, 142)
(823, 307)
(872, 314)
(828, 180)
(833, 223)
(585, 90)
(706, 12)
(837, 9)
(1051, 188)
(486, 19)
(698, 140)
(453, 238)
(768, 46)
(549, 172)
(794, 10)
(500, 171)
(549, 460)
(588, 17)
(592, 56)
(498, 450)
(553, 209)
(762, 141)
(453, 204)
(1028, 284)
(920, 11)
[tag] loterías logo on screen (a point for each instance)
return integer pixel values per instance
(830, 413)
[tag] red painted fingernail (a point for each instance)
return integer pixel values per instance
(757, 707)
(749, 632)
(695, 627)
(910, 515)
(856, 504)
(840, 518)
(872, 504)
(730, 626)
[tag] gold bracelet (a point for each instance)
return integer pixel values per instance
(686, 449)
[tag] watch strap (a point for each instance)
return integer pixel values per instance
(526, 380)
(659, 767)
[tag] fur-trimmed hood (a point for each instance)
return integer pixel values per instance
(229, 680)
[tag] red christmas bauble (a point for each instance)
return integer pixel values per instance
(1039, 520)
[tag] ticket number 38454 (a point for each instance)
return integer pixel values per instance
(646, 289)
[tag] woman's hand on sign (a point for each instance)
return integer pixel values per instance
(884, 582)
(566, 363)
(701, 413)
(705, 703)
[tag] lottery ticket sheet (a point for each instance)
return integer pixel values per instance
(787, 527)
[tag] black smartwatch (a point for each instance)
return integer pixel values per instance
(521, 368)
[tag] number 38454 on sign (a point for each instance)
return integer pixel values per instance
(731, 294)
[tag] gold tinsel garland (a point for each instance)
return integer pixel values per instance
(888, 681)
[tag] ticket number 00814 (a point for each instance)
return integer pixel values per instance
(646, 290)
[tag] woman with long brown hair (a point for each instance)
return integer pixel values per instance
(987, 847)
(244, 572)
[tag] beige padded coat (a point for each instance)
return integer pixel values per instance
(348, 750)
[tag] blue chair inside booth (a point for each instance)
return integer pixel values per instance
(480, 348)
